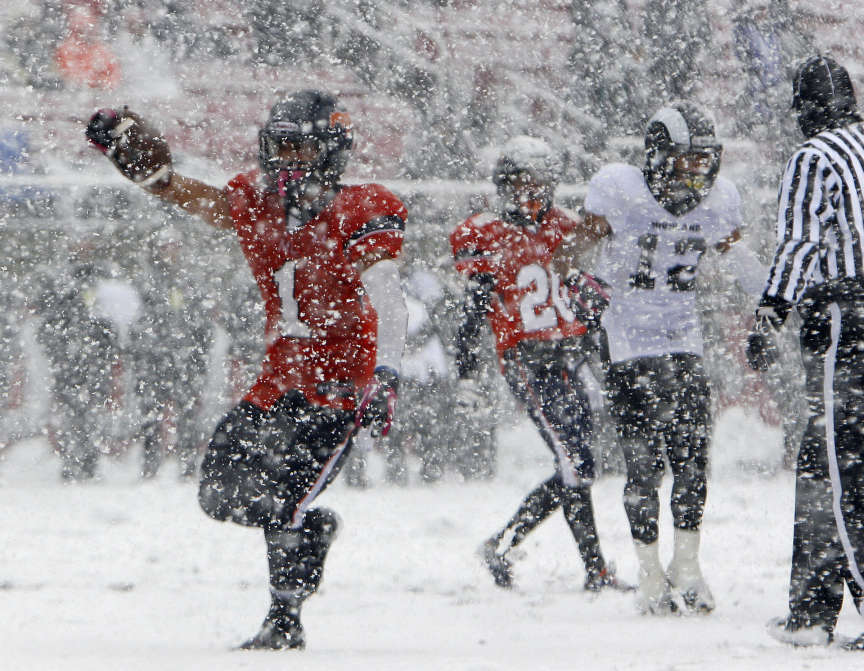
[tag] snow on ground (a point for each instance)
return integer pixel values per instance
(121, 574)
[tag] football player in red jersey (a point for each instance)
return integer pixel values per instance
(324, 257)
(539, 324)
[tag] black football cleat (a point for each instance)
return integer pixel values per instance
(279, 631)
(498, 564)
(606, 579)
(851, 644)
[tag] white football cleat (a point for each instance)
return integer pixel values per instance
(653, 596)
(685, 575)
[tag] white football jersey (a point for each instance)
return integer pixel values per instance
(651, 260)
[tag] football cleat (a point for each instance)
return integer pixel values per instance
(279, 631)
(685, 575)
(790, 631)
(851, 644)
(655, 599)
(606, 579)
(497, 563)
(691, 589)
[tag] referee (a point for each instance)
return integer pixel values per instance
(819, 268)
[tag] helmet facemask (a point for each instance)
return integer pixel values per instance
(302, 150)
(691, 174)
(293, 166)
(526, 175)
(682, 158)
(524, 199)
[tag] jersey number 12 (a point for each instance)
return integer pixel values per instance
(679, 277)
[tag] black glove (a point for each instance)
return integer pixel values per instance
(761, 347)
(139, 152)
(589, 297)
(378, 401)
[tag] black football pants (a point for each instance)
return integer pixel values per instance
(828, 544)
(264, 469)
(544, 378)
(657, 401)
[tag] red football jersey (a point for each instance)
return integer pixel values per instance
(321, 327)
(530, 301)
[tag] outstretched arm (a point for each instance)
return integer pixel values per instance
(142, 155)
(195, 197)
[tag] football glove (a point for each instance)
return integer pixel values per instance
(138, 151)
(377, 403)
(589, 297)
(761, 346)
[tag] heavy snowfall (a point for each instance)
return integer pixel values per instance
(107, 560)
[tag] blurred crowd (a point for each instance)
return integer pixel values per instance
(131, 346)
(102, 358)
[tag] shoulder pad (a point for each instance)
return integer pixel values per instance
(619, 172)
(482, 219)
(374, 217)
(569, 213)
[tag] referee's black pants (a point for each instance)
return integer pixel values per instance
(828, 546)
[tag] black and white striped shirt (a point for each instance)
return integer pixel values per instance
(820, 219)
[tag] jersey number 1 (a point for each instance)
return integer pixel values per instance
(289, 322)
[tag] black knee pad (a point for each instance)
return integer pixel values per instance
(322, 524)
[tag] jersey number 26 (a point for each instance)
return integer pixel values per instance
(534, 306)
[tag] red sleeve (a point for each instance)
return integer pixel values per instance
(376, 222)
(471, 250)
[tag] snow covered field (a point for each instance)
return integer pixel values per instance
(126, 575)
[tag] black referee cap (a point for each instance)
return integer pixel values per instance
(823, 81)
(822, 95)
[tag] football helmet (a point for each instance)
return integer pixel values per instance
(526, 174)
(822, 95)
(682, 156)
(303, 148)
